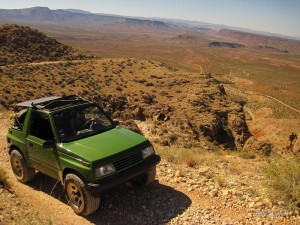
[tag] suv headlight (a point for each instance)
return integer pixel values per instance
(105, 170)
(147, 152)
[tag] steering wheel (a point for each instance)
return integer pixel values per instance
(91, 124)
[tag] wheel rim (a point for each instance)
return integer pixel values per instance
(75, 195)
(17, 166)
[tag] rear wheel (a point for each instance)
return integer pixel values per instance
(22, 172)
(78, 196)
(145, 179)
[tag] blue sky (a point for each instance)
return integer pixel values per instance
(276, 16)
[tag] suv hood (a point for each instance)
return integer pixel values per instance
(102, 145)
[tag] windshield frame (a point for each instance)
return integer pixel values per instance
(82, 135)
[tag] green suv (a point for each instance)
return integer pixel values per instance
(76, 142)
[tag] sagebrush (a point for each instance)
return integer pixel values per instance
(283, 181)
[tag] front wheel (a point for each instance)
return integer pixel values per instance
(78, 196)
(22, 172)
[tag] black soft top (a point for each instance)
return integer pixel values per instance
(44, 100)
(52, 102)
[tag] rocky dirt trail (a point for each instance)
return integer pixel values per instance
(180, 195)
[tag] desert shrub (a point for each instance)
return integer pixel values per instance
(173, 138)
(148, 98)
(118, 88)
(149, 84)
(283, 180)
(191, 162)
(247, 155)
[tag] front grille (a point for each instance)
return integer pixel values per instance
(128, 161)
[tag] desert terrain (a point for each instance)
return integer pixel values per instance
(218, 106)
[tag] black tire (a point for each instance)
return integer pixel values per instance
(144, 179)
(78, 197)
(22, 172)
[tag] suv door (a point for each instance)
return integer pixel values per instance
(42, 159)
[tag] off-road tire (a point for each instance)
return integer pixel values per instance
(19, 167)
(144, 179)
(78, 197)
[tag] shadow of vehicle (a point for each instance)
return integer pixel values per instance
(154, 204)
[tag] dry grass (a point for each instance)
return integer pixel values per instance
(33, 218)
(181, 156)
(283, 181)
(191, 157)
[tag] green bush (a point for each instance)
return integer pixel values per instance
(283, 181)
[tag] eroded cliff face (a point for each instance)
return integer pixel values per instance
(187, 109)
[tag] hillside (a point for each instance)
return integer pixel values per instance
(20, 44)
(183, 108)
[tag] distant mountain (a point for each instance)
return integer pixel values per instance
(77, 17)
(72, 17)
(262, 41)
(19, 44)
(45, 15)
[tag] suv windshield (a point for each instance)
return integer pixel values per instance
(80, 122)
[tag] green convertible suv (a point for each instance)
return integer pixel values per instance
(76, 142)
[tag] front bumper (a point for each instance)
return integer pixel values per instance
(124, 176)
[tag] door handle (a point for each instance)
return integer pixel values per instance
(30, 144)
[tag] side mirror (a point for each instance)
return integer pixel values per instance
(116, 122)
(49, 144)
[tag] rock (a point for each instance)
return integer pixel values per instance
(280, 203)
(190, 189)
(204, 170)
(213, 193)
(225, 192)
(251, 205)
(245, 197)
(257, 199)
(178, 173)
(262, 147)
(259, 204)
